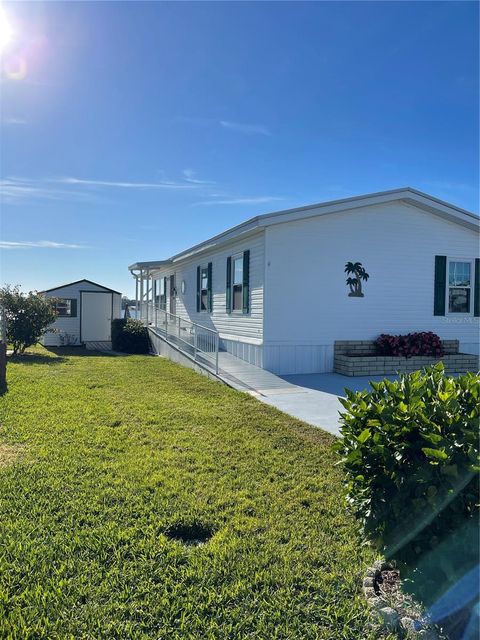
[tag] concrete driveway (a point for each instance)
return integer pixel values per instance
(314, 397)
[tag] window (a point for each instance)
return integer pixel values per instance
(237, 292)
(459, 286)
(237, 283)
(203, 289)
(162, 297)
(66, 307)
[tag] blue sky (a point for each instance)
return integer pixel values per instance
(131, 131)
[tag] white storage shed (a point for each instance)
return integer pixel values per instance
(85, 311)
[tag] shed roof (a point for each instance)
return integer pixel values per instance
(69, 284)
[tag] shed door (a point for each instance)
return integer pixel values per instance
(96, 316)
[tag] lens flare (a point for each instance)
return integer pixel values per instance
(6, 31)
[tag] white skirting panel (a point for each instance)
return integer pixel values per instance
(252, 353)
(283, 359)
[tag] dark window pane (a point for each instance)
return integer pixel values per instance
(203, 301)
(64, 307)
(459, 300)
(237, 297)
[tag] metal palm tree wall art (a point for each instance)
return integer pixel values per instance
(357, 274)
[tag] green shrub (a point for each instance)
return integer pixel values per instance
(27, 316)
(130, 336)
(410, 452)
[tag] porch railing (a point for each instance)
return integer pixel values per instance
(198, 341)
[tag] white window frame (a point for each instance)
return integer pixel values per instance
(471, 286)
(237, 256)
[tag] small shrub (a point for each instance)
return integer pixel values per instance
(425, 343)
(130, 336)
(410, 452)
(27, 316)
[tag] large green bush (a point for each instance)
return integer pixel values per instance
(410, 451)
(27, 316)
(130, 336)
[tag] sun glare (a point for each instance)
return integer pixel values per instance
(6, 31)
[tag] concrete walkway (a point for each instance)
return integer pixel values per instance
(317, 398)
(313, 398)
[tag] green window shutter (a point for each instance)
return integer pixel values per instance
(440, 285)
(246, 281)
(476, 292)
(228, 288)
(73, 307)
(209, 288)
(199, 275)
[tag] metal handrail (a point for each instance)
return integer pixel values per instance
(196, 337)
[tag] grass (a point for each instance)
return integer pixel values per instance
(116, 452)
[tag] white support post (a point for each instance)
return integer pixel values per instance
(155, 306)
(194, 341)
(136, 297)
(141, 294)
(148, 296)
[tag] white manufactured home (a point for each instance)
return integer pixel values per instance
(273, 291)
(85, 311)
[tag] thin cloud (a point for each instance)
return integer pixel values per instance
(14, 121)
(191, 177)
(120, 184)
(14, 190)
(245, 128)
(241, 200)
(40, 244)
(240, 127)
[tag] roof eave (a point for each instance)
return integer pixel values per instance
(148, 265)
(404, 194)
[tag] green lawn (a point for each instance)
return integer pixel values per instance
(102, 454)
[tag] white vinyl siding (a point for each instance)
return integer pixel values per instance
(396, 243)
(234, 326)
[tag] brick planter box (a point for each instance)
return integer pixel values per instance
(358, 358)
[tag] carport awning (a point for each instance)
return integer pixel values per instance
(148, 266)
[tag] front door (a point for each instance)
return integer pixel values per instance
(96, 317)
(173, 292)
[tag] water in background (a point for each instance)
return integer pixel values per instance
(132, 313)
